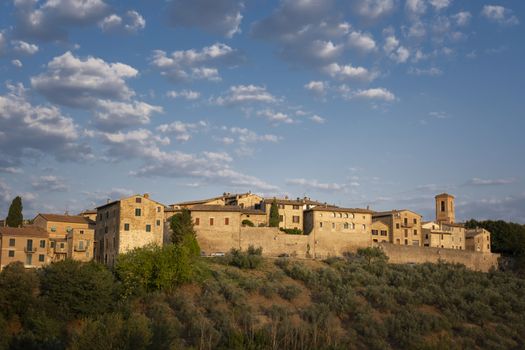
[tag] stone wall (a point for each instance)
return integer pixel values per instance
(399, 254)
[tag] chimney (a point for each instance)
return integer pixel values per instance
(146, 195)
(108, 200)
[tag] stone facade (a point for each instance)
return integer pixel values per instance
(126, 224)
(478, 240)
(59, 227)
(380, 231)
(445, 212)
(404, 226)
(29, 245)
(80, 244)
(450, 236)
(290, 211)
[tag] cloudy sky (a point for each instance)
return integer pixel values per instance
(365, 102)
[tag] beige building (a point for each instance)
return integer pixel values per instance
(126, 224)
(80, 244)
(257, 217)
(190, 204)
(445, 211)
(91, 214)
(355, 222)
(477, 240)
(60, 227)
(404, 226)
(449, 236)
(380, 232)
(290, 211)
(28, 245)
(244, 200)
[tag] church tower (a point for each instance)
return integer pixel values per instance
(445, 208)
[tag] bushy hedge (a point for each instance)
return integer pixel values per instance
(250, 259)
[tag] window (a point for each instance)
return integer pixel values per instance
(295, 207)
(442, 205)
(158, 222)
(148, 228)
(281, 218)
(426, 236)
(406, 241)
(415, 232)
(29, 259)
(80, 245)
(106, 229)
(345, 226)
(126, 227)
(364, 227)
(333, 225)
(52, 244)
(321, 225)
(42, 243)
(12, 242)
(211, 221)
(333, 215)
(340, 215)
(295, 219)
(415, 221)
(397, 225)
(107, 215)
(384, 233)
(138, 200)
(405, 221)
(11, 253)
(374, 232)
(53, 229)
(81, 232)
(197, 221)
(375, 240)
(226, 221)
(62, 245)
(406, 233)
(29, 246)
(41, 258)
(281, 206)
(137, 212)
(346, 215)
(158, 209)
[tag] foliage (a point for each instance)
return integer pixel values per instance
(18, 288)
(506, 237)
(247, 222)
(14, 216)
(372, 255)
(152, 268)
(292, 231)
(82, 289)
(251, 259)
(274, 214)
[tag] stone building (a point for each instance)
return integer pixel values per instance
(28, 245)
(290, 211)
(190, 204)
(477, 240)
(60, 227)
(445, 212)
(255, 216)
(91, 214)
(126, 224)
(404, 226)
(443, 235)
(380, 232)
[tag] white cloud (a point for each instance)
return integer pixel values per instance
(373, 9)
(499, 14)
(186, 94)
(215, 16)
(114, 115)
(50, 183)
(77, 82)
(317, 119)
(245, 94)
(185, 65)
(246, 136)
(28, 130)
(395, 51)
(376, 94)
(344, 72)
(316, 185)
(17, 63)
(440, 4)
(489, 182)
(462, 18)
(416, 8)
(3, 43)
(432, 71)
(275, 117)
(181, 130)
(131, 22)
(24, 48)
(317, 87)
(50, 19)
(11, 170)
(363, 42)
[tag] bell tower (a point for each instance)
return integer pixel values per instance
(445, 208)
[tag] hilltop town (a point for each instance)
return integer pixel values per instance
(306, 229)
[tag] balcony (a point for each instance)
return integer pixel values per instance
(80, 249)
(30, 249)
(407, 225)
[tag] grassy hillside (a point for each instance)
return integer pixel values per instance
(359, 302)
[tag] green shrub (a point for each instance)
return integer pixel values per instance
(289, 292)
(292, 231)
(247, 222)
(251, 259)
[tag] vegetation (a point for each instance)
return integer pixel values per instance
(274, 214)
(356, 302)
(14, 216)
(247, 222)
(251, 259)
(292, 231)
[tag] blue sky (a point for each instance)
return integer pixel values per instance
(366, 102)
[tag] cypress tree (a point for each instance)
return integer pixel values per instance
(274, 214)
(15, 217)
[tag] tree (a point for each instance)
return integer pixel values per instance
(15, 217)
(183, 232)
(83, 289)
(18, 288)
(274, 214)
(372, 255)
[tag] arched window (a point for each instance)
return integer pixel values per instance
(333, 215)
(340, 215)
(346, 226)
(346, 215)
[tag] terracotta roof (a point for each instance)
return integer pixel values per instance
(26, 231)
(391, 212)
(76, 219)
(301, 201)
(454, 224)
(344, 210)
(198, 201)
(88, 211)
(225, 208)
(124, 198)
